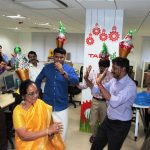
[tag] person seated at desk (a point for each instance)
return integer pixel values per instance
(3, 67)
(33, 130)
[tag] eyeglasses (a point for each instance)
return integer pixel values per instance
(33, 94)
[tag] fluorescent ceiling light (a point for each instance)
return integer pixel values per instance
(44, 24)
(42, 4)
(16, 17)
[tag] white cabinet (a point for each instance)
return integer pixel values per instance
(145, 71)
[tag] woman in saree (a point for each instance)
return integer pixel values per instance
(32, 121)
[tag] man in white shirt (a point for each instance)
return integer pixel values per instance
(35, 66)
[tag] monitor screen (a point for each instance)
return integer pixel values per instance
(9, 82)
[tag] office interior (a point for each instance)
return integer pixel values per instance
(42, 42)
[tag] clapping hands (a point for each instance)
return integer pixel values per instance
(101, 76)
(87, 72)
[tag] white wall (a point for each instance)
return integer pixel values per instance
(9, 40)
(42, 42)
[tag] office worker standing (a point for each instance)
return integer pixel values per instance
(58, 75)
(119, 93)
(35, 67)
(98, 107)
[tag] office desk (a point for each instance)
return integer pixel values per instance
(139, 111)
(6, 100)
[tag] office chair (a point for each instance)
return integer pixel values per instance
(73, 90)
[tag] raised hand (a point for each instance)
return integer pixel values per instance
(59, 67)
(87, 72)
(101, 76)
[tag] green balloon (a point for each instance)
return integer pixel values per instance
(17, 49)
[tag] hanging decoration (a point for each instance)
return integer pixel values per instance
(90, 39)
(114, 35)
(103, 36)
(96, 30)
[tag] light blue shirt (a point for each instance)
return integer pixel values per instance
(123, 93)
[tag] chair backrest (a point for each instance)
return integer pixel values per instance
(73, 90)
(81, 74)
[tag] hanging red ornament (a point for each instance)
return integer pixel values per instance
(103, 36)
(96, 30)
(90, 39)
(114, 35)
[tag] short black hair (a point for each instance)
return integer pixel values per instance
(104, 63)
(0, 46)
(24, 86)
(122, 62)
(32, 52)
(60, 50)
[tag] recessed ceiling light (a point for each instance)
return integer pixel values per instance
(44, 24)
(16, 17)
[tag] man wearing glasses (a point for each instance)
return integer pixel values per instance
(58, 76)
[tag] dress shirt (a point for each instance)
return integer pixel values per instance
(123, 93)
(92, 77)
(34, 71)
(56, 86)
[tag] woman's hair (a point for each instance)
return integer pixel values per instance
(104, 63)
(24, 86)
(60, 50)
(122, 62)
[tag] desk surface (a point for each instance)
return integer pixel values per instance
(6, 100)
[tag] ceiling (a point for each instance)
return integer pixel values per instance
(136, 14)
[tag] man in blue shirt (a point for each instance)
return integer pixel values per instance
(119, 93)
(58, 76)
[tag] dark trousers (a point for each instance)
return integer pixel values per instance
(111, 132)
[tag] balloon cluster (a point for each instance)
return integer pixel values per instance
(61, 36)
(21, 62)
(126, 44)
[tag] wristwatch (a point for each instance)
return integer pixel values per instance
(63, 73)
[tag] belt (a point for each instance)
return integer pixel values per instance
(99, 99)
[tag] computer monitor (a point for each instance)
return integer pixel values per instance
(9, 82)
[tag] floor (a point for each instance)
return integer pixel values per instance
(77, 140)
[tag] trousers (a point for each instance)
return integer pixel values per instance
(111, 132)
(98, 113)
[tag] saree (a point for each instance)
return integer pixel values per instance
(36, 118)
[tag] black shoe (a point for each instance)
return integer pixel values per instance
(92, 139)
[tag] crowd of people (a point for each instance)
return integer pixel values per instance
(39, 118)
